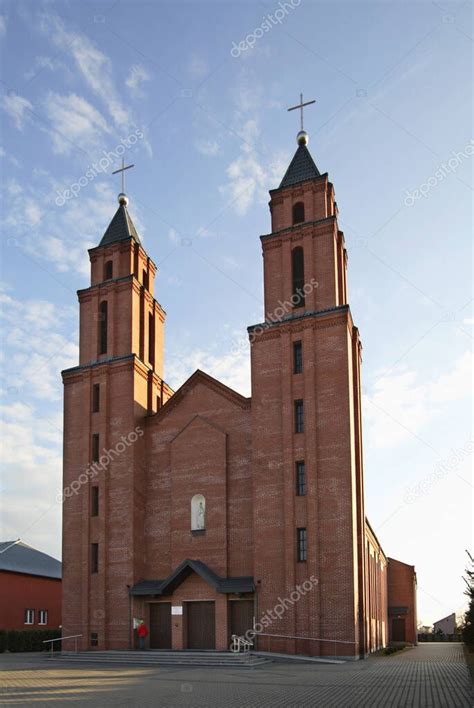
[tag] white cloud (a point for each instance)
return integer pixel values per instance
(17, 108)
(41, 342)
(400, 405)
(173, 236)
(231, 368)
(138, 75)
(24, 211)
(45, 62)
(32, 462)
(207, 147)
(75, 123)
(93, 65)
(248, 177)
(14, 188)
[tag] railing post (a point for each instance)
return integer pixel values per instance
(75, 645)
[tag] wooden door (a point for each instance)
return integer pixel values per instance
(160, 625)
(398, 629)
(201, 625)
(241, 616)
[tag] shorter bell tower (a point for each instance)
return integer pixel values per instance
(119, 381)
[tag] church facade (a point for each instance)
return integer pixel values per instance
(205, 513)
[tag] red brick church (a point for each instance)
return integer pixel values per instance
(200, 511)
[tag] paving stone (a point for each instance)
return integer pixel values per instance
(428, 676)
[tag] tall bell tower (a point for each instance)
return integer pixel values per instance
(306, 421)
(118, 382)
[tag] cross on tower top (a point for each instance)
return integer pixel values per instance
(302, 137)
(122, 197)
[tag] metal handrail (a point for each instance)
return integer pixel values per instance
(59, 639)
(241, 641)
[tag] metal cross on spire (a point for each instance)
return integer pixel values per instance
(122, 170)
(301, 105)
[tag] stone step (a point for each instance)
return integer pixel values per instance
(155, 658)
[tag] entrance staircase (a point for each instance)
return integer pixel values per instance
(244, 660)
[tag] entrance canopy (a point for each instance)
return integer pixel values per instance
(168, 586)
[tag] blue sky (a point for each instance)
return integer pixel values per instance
(393, 116)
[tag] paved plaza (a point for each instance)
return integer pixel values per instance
(427, 675)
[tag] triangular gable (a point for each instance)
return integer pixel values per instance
(201, 377)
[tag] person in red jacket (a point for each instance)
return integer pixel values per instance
(142, 635)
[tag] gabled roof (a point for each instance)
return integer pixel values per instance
(184, 569)
(17, 557)
(202, 377)
(121, 228)
(301, 168)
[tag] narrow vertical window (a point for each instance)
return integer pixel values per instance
(151, 340)
(299, 417)
(96, 398)
(301, 545)
(108, 270)
(94, 557)
(297, 275)
(145, 279)
(300, 479)
(297, 357)
(103, 324)
(95, 447)
(298, 213)
(29, 616)
(43, 617)
(95, 500)
(94, 639)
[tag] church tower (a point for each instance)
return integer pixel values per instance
(118, 382)
(306, 422)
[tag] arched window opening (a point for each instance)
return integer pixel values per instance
(198, 513)
(103, 323)
(298, 213)
(108, 270)
(297, 268)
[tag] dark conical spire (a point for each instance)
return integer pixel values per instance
(301, 168)
(121, 228)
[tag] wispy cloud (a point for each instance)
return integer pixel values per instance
(93, 65)
(75, 122)
(401, 405)
(137, 76)
(207, 147)
(17, 108)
